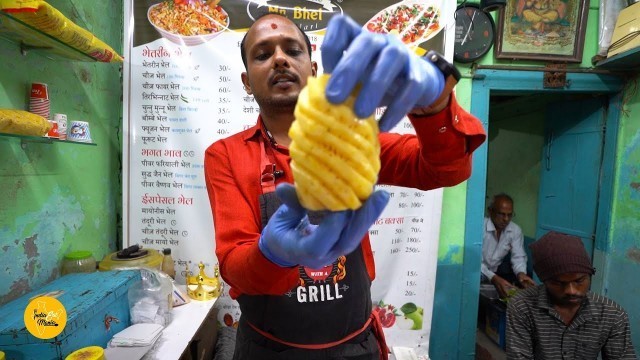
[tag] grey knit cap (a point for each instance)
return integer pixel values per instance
(556, 253)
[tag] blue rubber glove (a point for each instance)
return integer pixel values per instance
(390, 73)
(289, 239)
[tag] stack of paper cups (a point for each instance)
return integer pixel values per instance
(39, 100)
(61, 120)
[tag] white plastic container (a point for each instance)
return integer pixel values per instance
(151, 300)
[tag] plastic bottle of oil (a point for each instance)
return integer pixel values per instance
(167, 263)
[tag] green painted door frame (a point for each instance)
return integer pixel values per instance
(495, 82)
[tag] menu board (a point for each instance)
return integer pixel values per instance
(182, 93)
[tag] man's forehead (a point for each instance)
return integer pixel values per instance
(270, 25)
(569, 277)
(503, 202)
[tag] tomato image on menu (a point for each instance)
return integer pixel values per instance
(229, 321)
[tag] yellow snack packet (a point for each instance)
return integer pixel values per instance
(44, 17)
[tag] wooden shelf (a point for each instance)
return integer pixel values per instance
(625, 61)
(40, 139)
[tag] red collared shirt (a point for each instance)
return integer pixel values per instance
(438, 155)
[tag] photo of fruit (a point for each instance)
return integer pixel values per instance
(414, 314)
(227, 320)
(409, 316)
(387, 314)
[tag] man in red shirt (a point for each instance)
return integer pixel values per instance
(304, 285)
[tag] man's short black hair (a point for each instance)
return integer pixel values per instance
(243, 51)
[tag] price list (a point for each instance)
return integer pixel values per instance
(182, 100)
(403, 239)
(166, 169)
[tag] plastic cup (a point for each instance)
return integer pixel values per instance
(79, 131)
(61, 120)
(39, 100)
(53, 133)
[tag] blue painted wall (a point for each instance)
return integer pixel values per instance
(621, 264)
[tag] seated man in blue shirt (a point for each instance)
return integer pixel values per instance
(504, 261)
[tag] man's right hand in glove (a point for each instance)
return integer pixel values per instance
(289, 239)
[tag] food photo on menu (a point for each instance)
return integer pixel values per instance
(183, 22)
(195, 22)
(412, 22)
(188, 22)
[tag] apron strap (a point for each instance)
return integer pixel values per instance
(376, 328)
(313, 346)
(268, 168)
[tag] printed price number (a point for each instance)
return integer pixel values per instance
(222, 131)
(410, 249)
(395, 251)
(403, 205)
(224, 79)
(224, 90)
(415, 230)
(224, 100)
(224, 111)
(417, 204)
(188, 153)
(412, 273)
(223, 121)
(409, 293)
(224, 68)
(412, 283)
(414, 240)
(396, 241)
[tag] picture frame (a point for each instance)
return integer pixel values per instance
(546, 30)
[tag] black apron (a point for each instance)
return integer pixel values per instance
(312, 320)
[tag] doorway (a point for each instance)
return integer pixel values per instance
(514, 92)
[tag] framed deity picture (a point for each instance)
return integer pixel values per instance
(547, 30)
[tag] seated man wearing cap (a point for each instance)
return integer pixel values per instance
(562, 319)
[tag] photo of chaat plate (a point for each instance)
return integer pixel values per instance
(414, 22)
(188, 22)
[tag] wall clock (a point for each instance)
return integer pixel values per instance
(475, 33)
